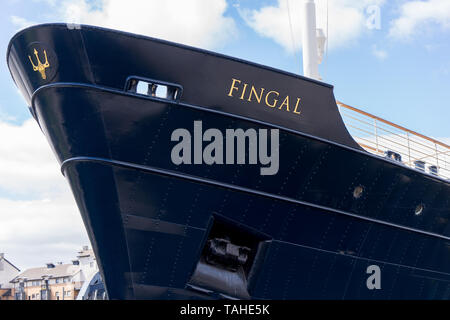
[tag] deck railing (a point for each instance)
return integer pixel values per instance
(388, 139)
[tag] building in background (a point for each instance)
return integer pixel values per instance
(86, 261)
(56, 281)
(7, 272)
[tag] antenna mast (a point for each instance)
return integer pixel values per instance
(312, 52)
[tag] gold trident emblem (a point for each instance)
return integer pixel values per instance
(41, 66)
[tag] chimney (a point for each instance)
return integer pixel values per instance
(50, 265)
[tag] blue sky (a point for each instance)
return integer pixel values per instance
(410, 86)
(400, 72)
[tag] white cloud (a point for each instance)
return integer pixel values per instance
(379, 53)
(21, 23)
(199, 23)
(39, 231)
(27, 165)
(346, 21)
(39, 219)
(6, 116)
(416, 15)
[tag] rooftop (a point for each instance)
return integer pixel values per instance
(85, 252)
(58, 271)
(2, 258)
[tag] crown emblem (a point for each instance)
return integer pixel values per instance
(40, 66)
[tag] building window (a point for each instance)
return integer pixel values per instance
(57, 280)
(35, 283)
(68, 293)
(33, 296)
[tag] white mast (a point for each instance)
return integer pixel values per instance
(310, 37)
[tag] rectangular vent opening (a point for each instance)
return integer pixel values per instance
(154, 88)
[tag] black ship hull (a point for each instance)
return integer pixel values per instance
(151, 222)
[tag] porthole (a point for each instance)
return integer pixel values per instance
(357, 193)
(419, 209)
